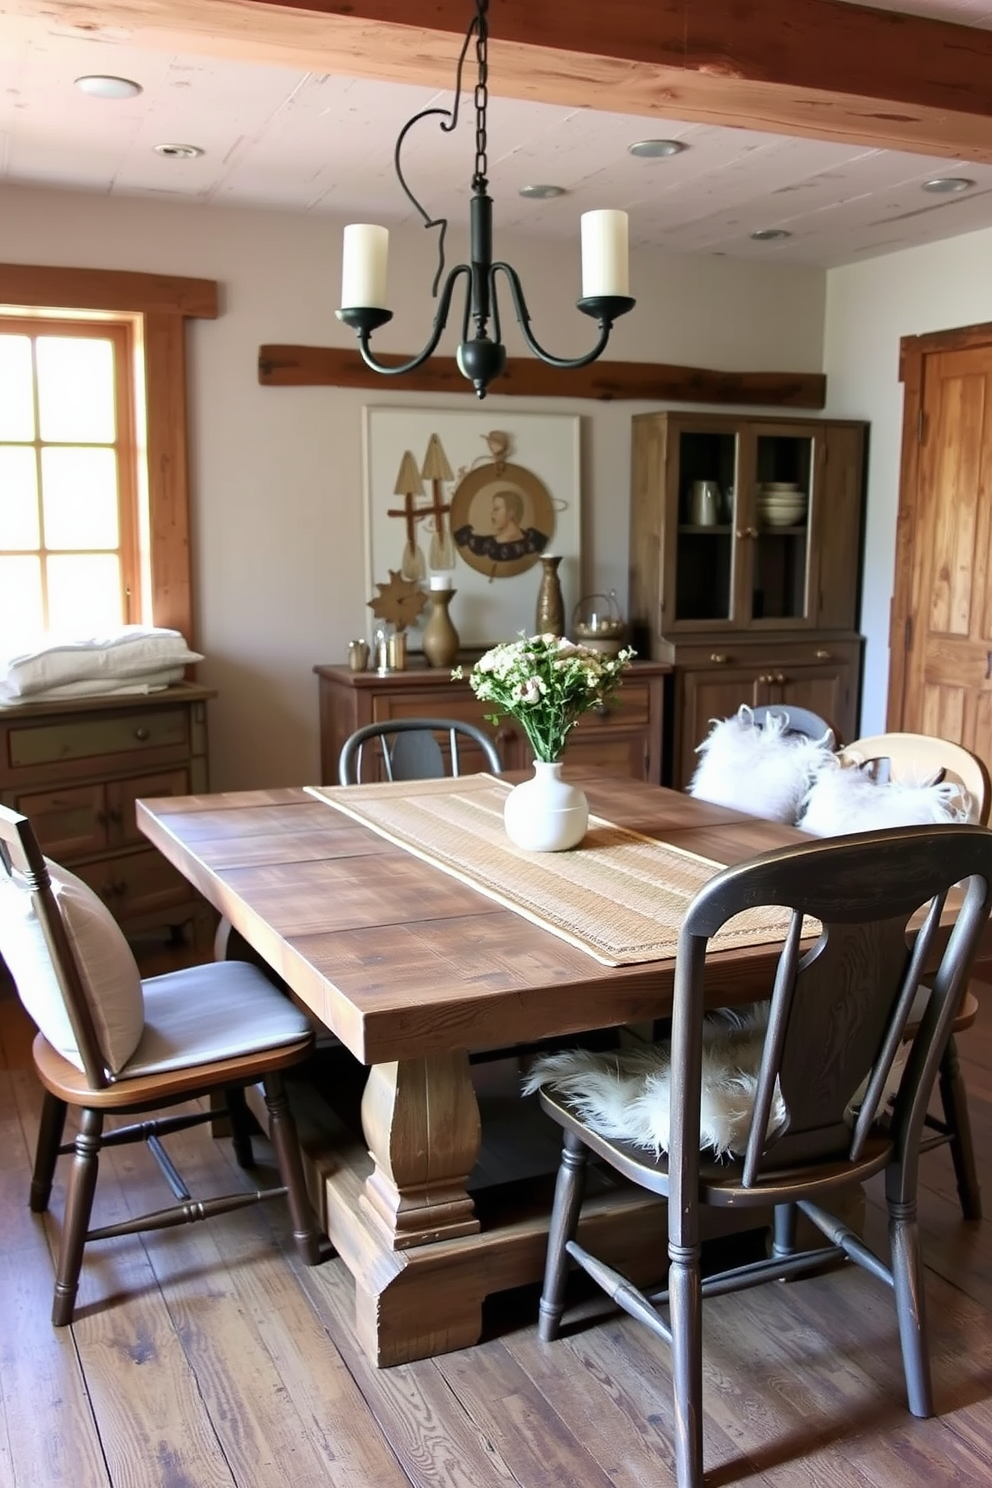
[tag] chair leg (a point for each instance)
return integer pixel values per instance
(784, 1234)
(286, 1144)
(569, 1187)
(907, 1275)
(240, 1119)
(954, 1100)
(76, 1222)
(46, 1153)
(685, 1314)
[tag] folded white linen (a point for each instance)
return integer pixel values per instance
(128, 654)
(139, 686)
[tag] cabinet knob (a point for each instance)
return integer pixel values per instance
(719, 657)
(141, 733)
(505, 734)
(601, 710)
(780, 677)
(822, 655)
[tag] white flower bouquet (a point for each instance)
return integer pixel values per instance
(546, 683)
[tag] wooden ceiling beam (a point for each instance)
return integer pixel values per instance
(815, 68)
(653, 382)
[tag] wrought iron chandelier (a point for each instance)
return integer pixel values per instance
(481, 356)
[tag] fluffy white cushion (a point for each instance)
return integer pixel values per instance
(625, 1095)
(131, 651)
(110, 976)
(848, 799)
(761, 770)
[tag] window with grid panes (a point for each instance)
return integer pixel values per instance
(70, 559)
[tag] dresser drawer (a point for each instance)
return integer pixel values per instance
(628, 708)
(138, 886)
(61, 742)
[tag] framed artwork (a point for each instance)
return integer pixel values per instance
(470, 501)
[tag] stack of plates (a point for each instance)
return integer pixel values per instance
(781, 504)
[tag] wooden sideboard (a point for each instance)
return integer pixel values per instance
(77, 768)
(625, 737)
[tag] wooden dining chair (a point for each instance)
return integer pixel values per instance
(797, 721)
(110, 1044)
(408, 749)
(820, 1115)
(919, 758)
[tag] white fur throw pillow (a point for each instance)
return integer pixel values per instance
(625, 1095)
(847, 799)
(764, 771)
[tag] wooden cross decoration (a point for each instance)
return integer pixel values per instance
(409, 486)
(437, 470)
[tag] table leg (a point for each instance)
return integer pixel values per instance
(421, 1122)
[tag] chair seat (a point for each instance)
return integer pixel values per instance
(720, 1182)
(203, 1023)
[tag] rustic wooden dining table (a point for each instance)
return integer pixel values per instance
(411, 970)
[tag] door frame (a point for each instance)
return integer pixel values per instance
(913, 352)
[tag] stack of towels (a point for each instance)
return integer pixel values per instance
(135, 658)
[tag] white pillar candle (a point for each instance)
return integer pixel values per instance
(364, 262)
(604, 254)
(440, 581)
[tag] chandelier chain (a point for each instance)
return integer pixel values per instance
(480, 180)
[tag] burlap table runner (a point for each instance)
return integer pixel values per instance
(619, 896)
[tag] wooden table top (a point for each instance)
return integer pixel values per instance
(400, 960)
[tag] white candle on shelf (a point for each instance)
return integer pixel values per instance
(440, 581)
(365, 260)
(604, 254)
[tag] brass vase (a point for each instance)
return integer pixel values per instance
(440, 636)
(550, 618)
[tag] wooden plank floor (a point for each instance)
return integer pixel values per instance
(209, 1356)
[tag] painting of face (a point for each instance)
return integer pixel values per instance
(501, 521)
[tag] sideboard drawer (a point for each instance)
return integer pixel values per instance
(35, 745)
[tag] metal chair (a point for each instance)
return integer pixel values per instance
(408, 749)
(922, 757)
(797, 721)
(837, 1016)
(112, 1044)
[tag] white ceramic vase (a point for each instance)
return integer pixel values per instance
(546, 814)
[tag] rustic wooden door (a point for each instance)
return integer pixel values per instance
(941, 640)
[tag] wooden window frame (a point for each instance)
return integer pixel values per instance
(161, 305)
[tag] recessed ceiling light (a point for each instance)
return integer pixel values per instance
(99, 86)
(542, 193)
(770, 234)
(944, 184)
(656, 149)
(179, 152)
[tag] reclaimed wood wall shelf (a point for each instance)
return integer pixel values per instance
(656, 382)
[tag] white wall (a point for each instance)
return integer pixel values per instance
(869, 307)
(276, 473)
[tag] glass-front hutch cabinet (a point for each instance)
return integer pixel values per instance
(746, 541)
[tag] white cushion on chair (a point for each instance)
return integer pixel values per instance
(218, 1011)
(110, 976)
(762, 770)
(848, 799)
